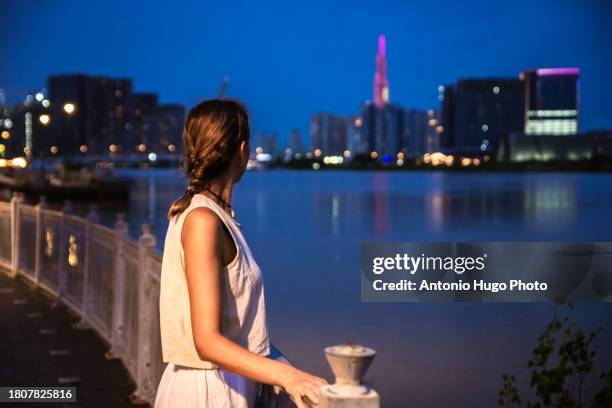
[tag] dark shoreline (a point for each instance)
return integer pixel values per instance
(591, 166)
(493, 167)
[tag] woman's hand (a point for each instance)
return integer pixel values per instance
(299, 384)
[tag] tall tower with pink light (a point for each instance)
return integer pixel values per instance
(381, 84)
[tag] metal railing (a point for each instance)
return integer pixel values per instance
(108, 280)
(112, 284)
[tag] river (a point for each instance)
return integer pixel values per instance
(305, 229)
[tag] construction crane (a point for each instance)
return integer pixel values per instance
(223, 86)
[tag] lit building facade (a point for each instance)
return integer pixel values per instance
(551, 101)
(26, 129)
(519, 147)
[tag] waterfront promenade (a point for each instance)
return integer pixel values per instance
(78, 304)
(40, 346)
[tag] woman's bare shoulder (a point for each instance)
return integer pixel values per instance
(201, 221)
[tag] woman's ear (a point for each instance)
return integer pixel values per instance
(242, 159)
(245, 150)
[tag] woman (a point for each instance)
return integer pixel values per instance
(212, 310)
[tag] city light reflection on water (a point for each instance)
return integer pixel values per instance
(306, 228)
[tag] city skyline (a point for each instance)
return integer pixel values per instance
(327, 69)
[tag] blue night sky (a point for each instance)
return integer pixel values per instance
(289, 60)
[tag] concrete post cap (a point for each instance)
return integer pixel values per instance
(349, 362)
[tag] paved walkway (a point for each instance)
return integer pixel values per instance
(38, 346)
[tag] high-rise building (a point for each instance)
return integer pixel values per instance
(434, 133)
(72, 93)
(26, 129)
(108, 111)
(476, 112)
(142, 124)
(356, 138)
(381, 83)
(328, 134)
(382, 128)
(94, 111)
(295, 141)
(267, 143)
(416, 133)
(104, 115)
(169, 121)
(551, 101)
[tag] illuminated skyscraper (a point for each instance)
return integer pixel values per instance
(551, 101)
(381, 84)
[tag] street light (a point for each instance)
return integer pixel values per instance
(44, 119)
(69, 108)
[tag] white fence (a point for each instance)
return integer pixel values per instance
(111, 282)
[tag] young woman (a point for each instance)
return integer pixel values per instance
(212, 310)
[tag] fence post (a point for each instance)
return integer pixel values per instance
(42, 204)
(117, 326)
(62, 270)
(91, 218)
(144, 366)
(16, 199)
(349, 362)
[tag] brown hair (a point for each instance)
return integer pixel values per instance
(213, 132)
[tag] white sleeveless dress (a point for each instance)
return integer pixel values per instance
(189, 381)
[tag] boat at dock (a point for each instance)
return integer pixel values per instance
(63, 183)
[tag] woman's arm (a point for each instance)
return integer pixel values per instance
(202, 238)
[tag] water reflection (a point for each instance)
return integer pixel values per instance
(407, 206)
(435, 209)
(335, 214)
(550, 203)
(441, 207)
(380, 186)
(153, 200)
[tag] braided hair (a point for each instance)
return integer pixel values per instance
(213, 132)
